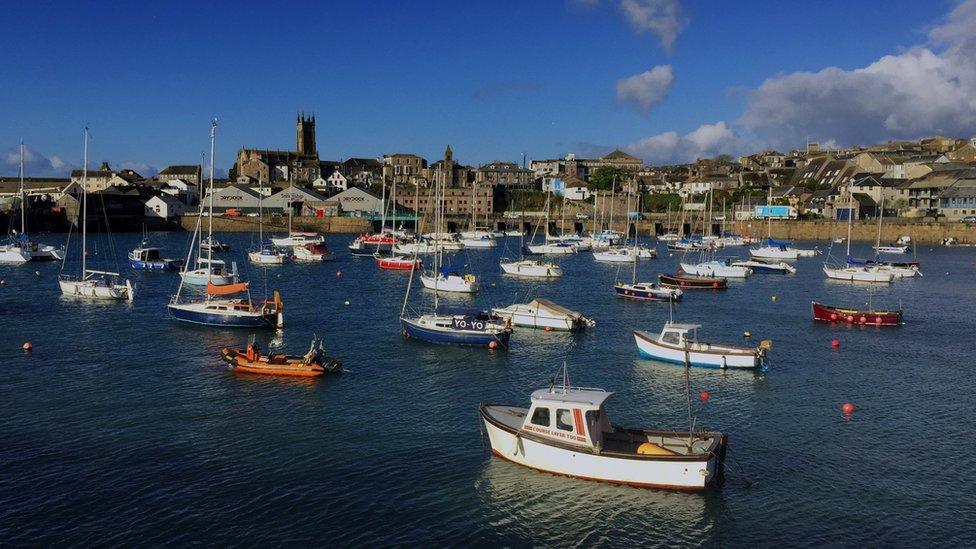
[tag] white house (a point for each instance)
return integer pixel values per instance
(336, 182)
(164, 206)
(188, 193)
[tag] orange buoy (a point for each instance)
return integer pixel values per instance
(492, 345)
(834, 343)
(704, 396)
(847, 408)
(548, 328)
(27, 346)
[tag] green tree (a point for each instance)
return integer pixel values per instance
(602, 179)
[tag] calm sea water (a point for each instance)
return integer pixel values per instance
(124, 427)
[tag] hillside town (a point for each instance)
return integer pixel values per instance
(932, 179)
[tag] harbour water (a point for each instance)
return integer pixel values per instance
(125, 427)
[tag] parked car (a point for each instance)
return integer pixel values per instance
(232, 212)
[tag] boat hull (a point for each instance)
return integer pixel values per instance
(687, 473)
(397, 263)
(194, 313)
(693, 282)
(279, 365)
(715, 269)
(828, 313)
(453, 284)
(162, 265)
(413, 329)
(531, 269)
(96, 289)
(647, 293)
(200, 277)
(650, 348)
(858, 274)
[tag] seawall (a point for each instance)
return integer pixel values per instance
(277, 224)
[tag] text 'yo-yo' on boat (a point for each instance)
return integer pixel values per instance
(314, 363)
(828, 313)
(565, 431)
(678, 344)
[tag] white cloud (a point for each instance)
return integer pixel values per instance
(706, 141)
(662, 17)
(36, 164)
(646, 89)
(921, 91)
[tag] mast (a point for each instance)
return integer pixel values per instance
(210, 189)
(633, 278)
(23, 215)
(438, 251)
(393, 208)
(613, 191)
(383, 212)
(84, 210)
(850, 217)
(472, 209)
(880, 219)
(596, 198)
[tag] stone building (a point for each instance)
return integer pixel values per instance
(104, 177)
(403, 168)
(265, 166)
(584, 167)
(457, 201)
(507, 174)
(187, 173)
(449, 173)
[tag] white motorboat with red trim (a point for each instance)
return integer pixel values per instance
(565, 431)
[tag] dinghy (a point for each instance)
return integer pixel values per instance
(314, 363)
(829, 313)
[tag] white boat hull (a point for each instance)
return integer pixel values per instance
(858, 274)
(478, 243)
(14, 255)
(97, 289)
(266, 259)
(551, 249)
(615, 256)
(527, 317)
(716, 269)
(200, 277)
(674, 474)
(450, 283)
(532, 269)
(774, 252)
(297, 240)
(716, 357)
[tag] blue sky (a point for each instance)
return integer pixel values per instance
(493, 79)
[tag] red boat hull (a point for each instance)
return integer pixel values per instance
(693, 282)
(392, 264)
(827, 313)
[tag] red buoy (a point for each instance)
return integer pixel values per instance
(492, 344)
(338, 273)
(850, 318)
(835, 343)
(877, 320)
(863, 319)
(714, 284)
(704, 396)
(847, 408)
(548, 328)
(833, 316)
(27, 346)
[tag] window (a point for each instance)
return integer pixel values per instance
(564, 420)
(541, 417)
(672, 338)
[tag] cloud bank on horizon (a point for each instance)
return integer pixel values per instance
(927, 89)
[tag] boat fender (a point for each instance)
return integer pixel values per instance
(833, 316)
(877, 320)
(518, 442)
(724, 365)
(863, 319)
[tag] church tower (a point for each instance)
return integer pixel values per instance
(448, 167)
(305, 135)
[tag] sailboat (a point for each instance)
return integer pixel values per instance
(20, 248)
(453, 327)
(551, 246)
(478, 237)
(617, 254)
(218, 308)
(372, 243)
(778, 249)
(266, 253)
(92, 284)
(304, 246)
(529, 268)
(854, 271)
(645, 290)
(898, 269)
(207, 270)
(708, 265)
(395, 261)
(446, 278)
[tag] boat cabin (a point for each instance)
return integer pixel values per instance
(147, 254)
(675, 335)
(572, 415)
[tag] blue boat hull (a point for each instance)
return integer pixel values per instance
(224, 321)
(454, 337)
(771, 270)
(639, 294)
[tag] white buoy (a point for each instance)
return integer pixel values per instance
(346, 302)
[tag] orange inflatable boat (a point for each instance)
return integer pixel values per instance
(312, 364)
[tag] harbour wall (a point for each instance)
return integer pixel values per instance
(244, 224)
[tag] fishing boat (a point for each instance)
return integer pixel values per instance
(830, 313)
(312, 252)
(644, 252)
(892, 249)
(693, 282)
(211, 244)
(149, 258)
(398, 263)
(769, 266)
(209, 271)
(544, 314)
(565, 431)
(314, 363)
(218, 307)
(678, 344)
(91, 284)
(20, 248)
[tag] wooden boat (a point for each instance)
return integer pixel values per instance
(565, 431)
(829, 313)
(693, 282)
(312, 364)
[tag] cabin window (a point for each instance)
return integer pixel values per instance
(564, 420)
(541, 417)
(672, 338)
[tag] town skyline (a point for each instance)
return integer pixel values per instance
(663, 98)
